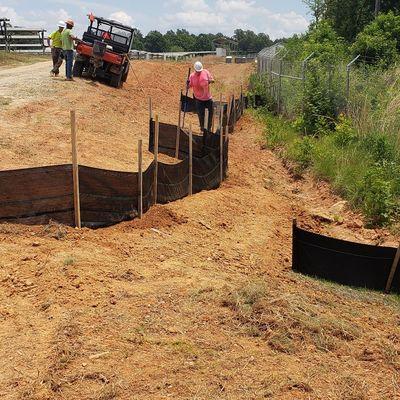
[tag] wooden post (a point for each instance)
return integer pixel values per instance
(212, 120)
(206, 116)
(150, 109)
(393, 271)
(228, 119)
(75, 172)
(178, 129)
(234, 112)
(156, 135)
(221, 113)
(140, 178)
(190, 160)
(221, 141)
(241, 101)
(294, 252)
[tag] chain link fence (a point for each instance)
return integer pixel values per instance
(287, 83)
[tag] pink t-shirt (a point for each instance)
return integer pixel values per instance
(200, 83)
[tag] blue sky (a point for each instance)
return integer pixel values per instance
(276, 18)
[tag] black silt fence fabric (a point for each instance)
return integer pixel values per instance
(173, 181)
(37, 195)
(344, 262)
(188, 104)
(107, 197)
(167, 141)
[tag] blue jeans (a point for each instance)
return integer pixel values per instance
(69, 61)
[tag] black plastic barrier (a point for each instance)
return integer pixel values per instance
(173, 179)
(344, 262)
(38, 195)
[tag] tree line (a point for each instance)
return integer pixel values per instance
(349, 18)
(181, 40)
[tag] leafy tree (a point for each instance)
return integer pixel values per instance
(317, 7)
(203, 42)
(349, 17)
(249, 42)
(138, 41)
(379, 42)
(155, 42)
(325, 43)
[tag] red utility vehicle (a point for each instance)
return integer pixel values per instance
(103, 51)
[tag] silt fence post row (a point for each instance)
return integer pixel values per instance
(75, 171)
(393, 271)
(178, 128)
(156, 136)
(190, 160)
(140, 178)
(348, 69)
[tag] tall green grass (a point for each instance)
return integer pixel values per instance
(363, 168)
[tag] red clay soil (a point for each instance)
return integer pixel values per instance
(195, 301)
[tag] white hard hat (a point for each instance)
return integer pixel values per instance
(61, 24)
(198, 66)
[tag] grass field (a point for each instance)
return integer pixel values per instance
(16, 59)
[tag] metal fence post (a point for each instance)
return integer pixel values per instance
(348, 68)
(303, 77)
(280, 86)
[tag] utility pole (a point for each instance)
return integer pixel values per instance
(377, 7)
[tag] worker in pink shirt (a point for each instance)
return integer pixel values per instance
(200, 81)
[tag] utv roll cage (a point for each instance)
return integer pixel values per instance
(115, 34)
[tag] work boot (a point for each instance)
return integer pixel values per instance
(69, 79)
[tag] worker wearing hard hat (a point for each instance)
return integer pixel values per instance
(67, 39)
(200, 81)
(56, 49)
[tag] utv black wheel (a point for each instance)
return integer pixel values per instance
(77, 70)
(116, 81)
(126, 72)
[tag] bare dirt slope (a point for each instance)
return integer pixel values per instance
(35, 123)
(195, 301)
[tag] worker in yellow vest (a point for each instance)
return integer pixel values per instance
(56, 49)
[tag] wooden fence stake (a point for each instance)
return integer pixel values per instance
(221, 141)
(241, 100)
(190, 160)
(156, 135)
(140, 178)
(228, 118)
(393, 271)
(206, 116)
(178, 128)
(234, 112)
(75, 172)
(212, 120)
(150, 109)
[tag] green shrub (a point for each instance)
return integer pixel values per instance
(377, 196)
(301, 151)
(380, 146)
(379, 42)
(344, 134)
